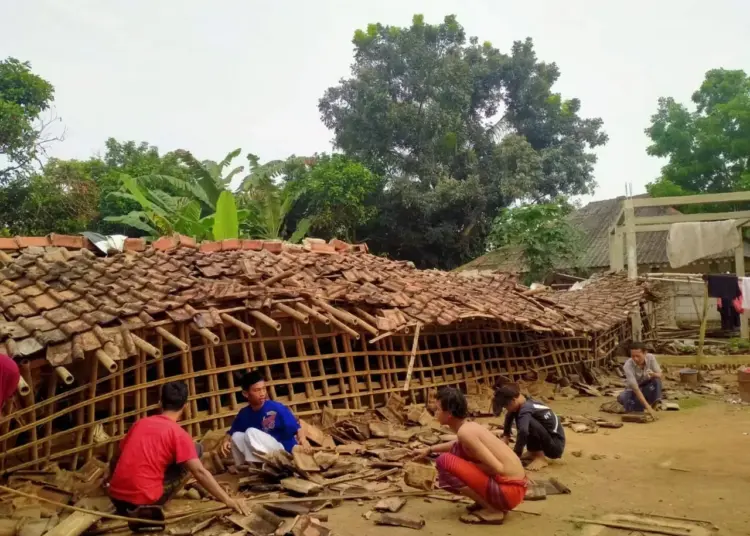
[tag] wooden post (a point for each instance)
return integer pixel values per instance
(630, 240)
(739, 265)
(704, 322)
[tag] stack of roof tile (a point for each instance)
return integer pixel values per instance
(69, 301)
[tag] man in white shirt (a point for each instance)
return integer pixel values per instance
(643, 378)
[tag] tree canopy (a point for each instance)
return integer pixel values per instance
(542, 232)
(707, 148)
(460, 130)
(24, 96)
(436, 134)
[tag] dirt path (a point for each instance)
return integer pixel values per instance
(693, 463)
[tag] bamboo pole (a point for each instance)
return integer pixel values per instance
(412, 357)
(25, 369)
(313, 313)
(106, 361)
(64, 375)
(267, 320)
(278, 277)
(206, 333)
(250, 330)
(173, 340)
(23, 387)
(145, 346)
(293, 313)
(343, 327)
(704, 323)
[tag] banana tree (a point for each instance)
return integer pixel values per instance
(164, 214)
(268, 206)
(209, 175)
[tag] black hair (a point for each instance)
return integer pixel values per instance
(250, 379)
(638, 345)
(174, 396)
(504, 394)
(453, 401)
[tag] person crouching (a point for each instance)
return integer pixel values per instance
(539, 429)
(478, 464)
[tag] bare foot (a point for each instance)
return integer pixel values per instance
(537, 464)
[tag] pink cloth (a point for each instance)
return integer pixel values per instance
(9, 375)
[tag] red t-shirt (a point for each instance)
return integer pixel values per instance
(150, 446)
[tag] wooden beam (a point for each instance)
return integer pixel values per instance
(691, 199)
(681, 218)
(630, 241)
(655, 228)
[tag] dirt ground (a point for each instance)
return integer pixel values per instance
(694, 463)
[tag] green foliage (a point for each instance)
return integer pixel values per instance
(62, 199)
(544, 234)
(23, 98)
(336, 195)
(451, 120)
(225, 223)
(138, 160)
(707, 148)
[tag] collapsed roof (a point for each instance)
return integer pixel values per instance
(59, 299)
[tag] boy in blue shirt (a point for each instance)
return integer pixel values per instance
(263, 426)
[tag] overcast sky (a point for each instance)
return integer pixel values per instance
(214, 76)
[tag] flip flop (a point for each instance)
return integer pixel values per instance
(483, 517)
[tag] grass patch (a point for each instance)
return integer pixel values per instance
(692, 402)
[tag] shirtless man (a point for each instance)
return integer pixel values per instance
(478, 464)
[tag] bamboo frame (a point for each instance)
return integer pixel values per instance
(308, 365)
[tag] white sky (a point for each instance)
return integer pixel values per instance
(214, 76)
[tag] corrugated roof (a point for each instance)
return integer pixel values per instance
(66, 302)
(594, 221)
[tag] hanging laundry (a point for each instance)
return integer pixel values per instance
(729, 310)
(724, 286)
(745, 289)
(688, 242)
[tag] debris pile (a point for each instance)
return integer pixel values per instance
(354, 456)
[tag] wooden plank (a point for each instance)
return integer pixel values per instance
(683, 218)
(691, 199)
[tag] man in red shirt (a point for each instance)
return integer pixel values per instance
(155, 457)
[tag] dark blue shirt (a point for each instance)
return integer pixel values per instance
(274, 418)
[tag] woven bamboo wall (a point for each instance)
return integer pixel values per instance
(306, 365)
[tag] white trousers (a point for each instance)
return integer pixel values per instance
(246, 444)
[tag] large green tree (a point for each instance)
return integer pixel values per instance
(63, 198)
(460, 129)
(24, 96)
(543, 233)
(707, 145)
(337, 195)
